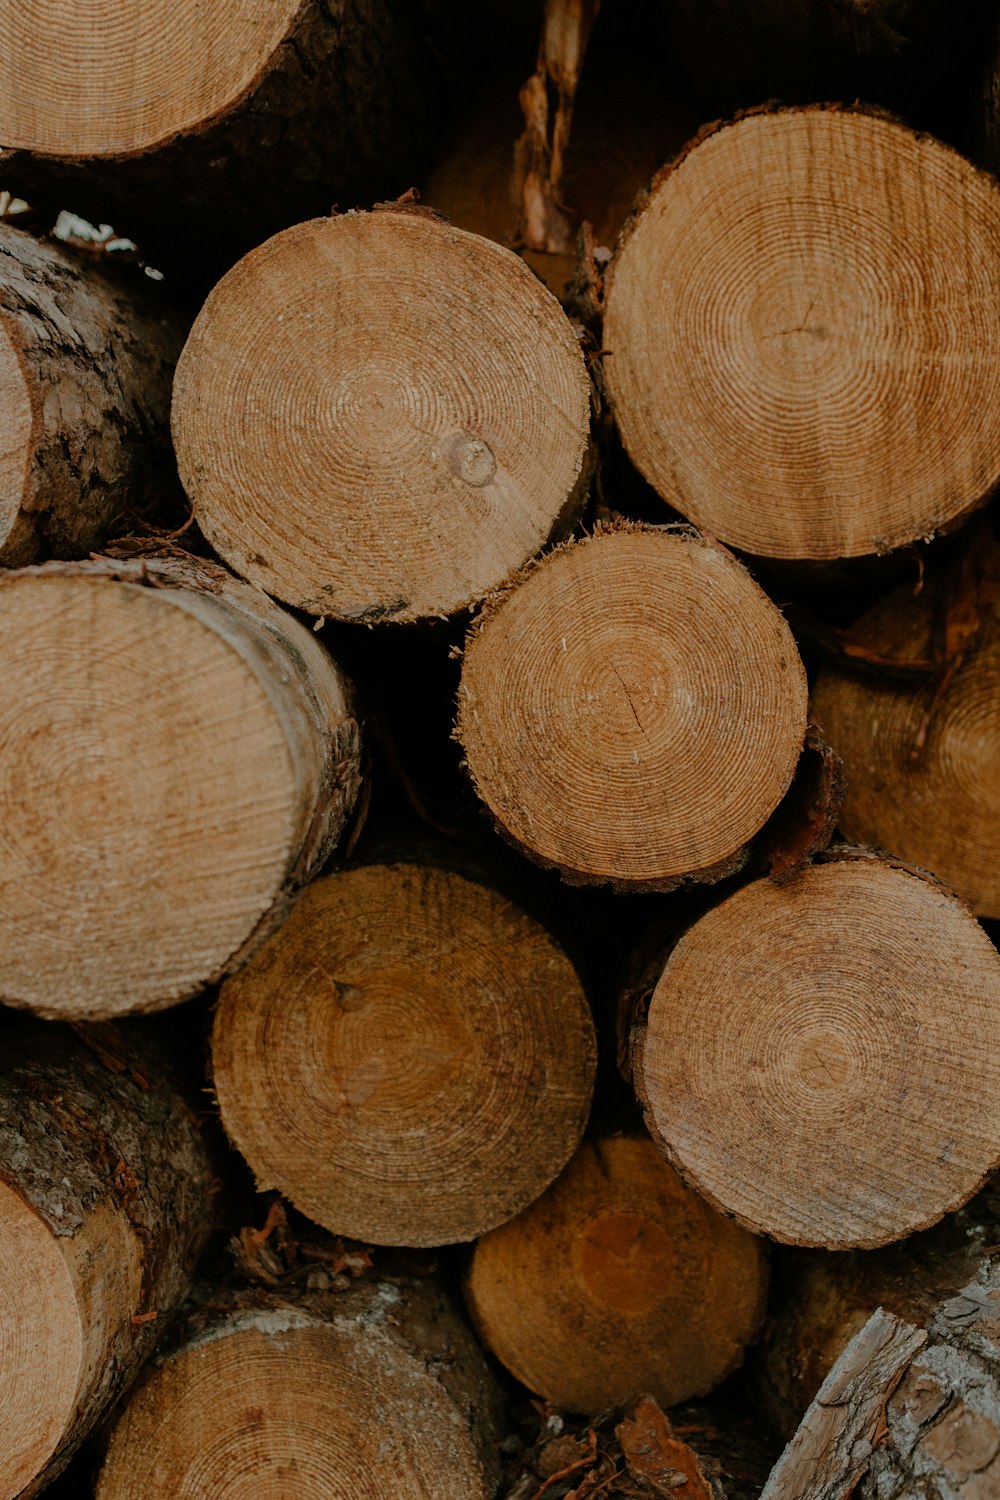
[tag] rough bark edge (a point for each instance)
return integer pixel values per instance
(848, 1414)
(633, 1071)
(866, 111)
(492, 605)
(122, 413)
(142, 1122)
(166, 568)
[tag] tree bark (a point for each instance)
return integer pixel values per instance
(373, 1391)
(85, 373)
(307, 103)
(639, 654)
(178, 757)
(820, 1058)
(378, 417)
(616, 1282)
(105, 1195)
(393, 1096)
(742, 311)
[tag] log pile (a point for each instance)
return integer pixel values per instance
(499, 750)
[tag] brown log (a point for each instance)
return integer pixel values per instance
(633, 709)
(376, 1391)
(85, 372)
(104, 1206)
(378, 417)
(178, 755)
(921, 753)
(777, 316)
(618, 1281)
(820, 1058)
(201, 130)
(910, 1410)
(409, 1060)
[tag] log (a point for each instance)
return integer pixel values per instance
(823, 1300)
(105, 1194)
(199, 131)
(909, 1411)
(633, 710)
(820, 1058)
(921, 752)
(375, 1391)
(618, 1281)
(177, 756)
(410, 1060)
(85, 372)
(804, 337)
(378, 417)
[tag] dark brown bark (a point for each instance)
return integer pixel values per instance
(340, 114)
(110, 1159)
(89, 394)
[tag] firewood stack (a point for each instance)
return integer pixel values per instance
(499, 750)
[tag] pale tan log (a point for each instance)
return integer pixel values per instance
(804, 338)
(372, 1393)
(618, 1281)
(379, 417)
(105, 1203)
(85, 372)
(177, 755)
(822, 1058)
(409, 1060)
(199, 130)
(632, 709)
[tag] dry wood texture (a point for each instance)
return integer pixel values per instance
(177, 756)
(805, 337)
(409, 1060)
(820, 1059)
(379, 417)
(823, 1300)
(104, 1206)
(85, 371)
(201, 129)
(633, 710)
(922, 755)
(618, 1281)
(375, 1392)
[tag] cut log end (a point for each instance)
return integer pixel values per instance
(410, 1060)
(80, 89)
(636, 659)
(619, 1280)
(821, 1058)
(282, 1406)
(379, 417)
(156, 799)
(791, 295)
(39, 1310)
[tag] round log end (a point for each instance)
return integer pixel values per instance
(618, 1281)
(633, 711)
(126, 76)
(409, 1060)
(39, 1311)
(822, 1059)
(804, 334)
(159, 784)
(284, 1406)
(379, 417)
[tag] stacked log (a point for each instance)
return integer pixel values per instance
(487, 1112)
(104, 1208)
